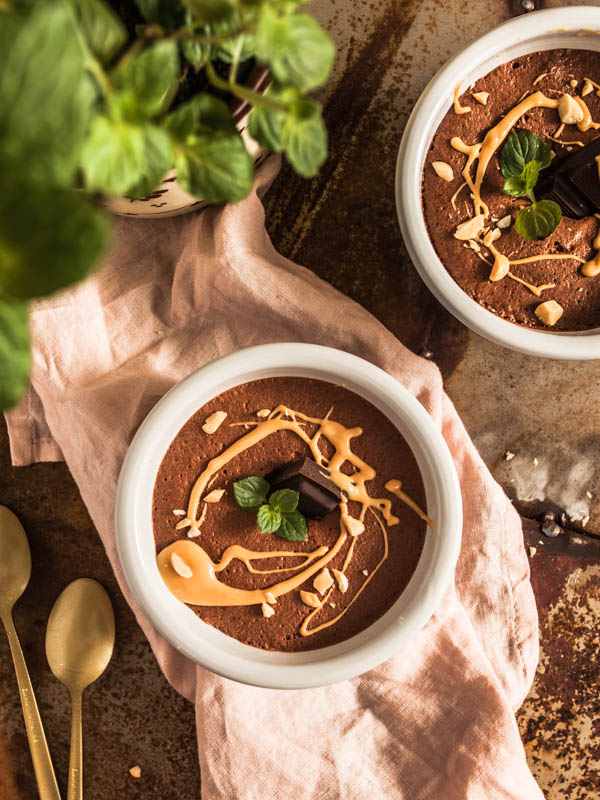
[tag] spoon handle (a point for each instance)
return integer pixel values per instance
(75, 791)
(40, 755)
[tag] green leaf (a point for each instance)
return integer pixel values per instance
(304, 137)
(14, 352)
(104, 31)
(151, 77)
(284, 500)
(538, 220)
(521, 185)
(265, 127)
(250, 493)
(169, 14)
(521, 147)
(296, 48)
(211, 159)
(293, 527)
(209, 10)
(49, 238)
(195, 52)
(45, 94)
(158, 159)
(268, 519)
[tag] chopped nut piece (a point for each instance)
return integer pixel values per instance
(323, 581)
(535, 462)
(443, 170)
(270, 598)
(354, 526)
(179, 512)
(549, 312)
(264, 412)
(569, 110)
(505, 221)
(180, 567)
(508, 455)
(310, 598)
(573, 83)
(332, 605)
(214, 496)
(587, 88)
(135, 772)
(589, 494)
(365, 572)
(481, 97)
(213, 422)
(501, 267)
(267, 610)
(491, 237)
(532, 551)
(474, 246)
(341, 579)
(184, 523)
(470, 228)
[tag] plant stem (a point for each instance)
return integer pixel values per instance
(242, 93)
(235, 61)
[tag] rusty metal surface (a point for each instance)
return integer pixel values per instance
(343, 225)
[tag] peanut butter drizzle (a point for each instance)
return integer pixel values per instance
(204, 588)
(458, 109)
(587, 122)
(592, 268)
(395, 487)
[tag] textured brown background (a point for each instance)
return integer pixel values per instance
(343, 225)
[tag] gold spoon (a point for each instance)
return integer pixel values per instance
(15, 571)
(79, 643)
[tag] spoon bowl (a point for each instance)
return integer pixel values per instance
(15, 560)
(80, 639)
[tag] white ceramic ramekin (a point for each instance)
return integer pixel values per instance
(211, 648)
(576, 27)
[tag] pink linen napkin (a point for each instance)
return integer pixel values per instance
(434, 722)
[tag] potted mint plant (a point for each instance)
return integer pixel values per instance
(104, 99)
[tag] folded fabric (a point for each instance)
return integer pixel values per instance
(437, 720)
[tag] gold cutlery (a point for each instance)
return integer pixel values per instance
(15, 571)
(80, 639)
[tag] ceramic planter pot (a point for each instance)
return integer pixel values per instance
(542, 30)
(170, 199)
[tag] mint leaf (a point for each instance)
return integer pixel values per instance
(521, 147)
(284, 500)
(168, 14)
(521, 185)
(265, 124)
(296, 48)
(304, 138)
(195, 52)
(209, 10)
(45, 94)
(158, 159)
(151, 77)
(539, 220)
(250, 493)
(104, 31)
(211, 159)
(293, 527)
(268, 519)
(49, 238)
(14, 352)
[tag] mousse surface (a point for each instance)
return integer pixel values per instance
(564, 72)
(225, 523)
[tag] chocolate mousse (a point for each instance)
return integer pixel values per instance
(280, 591)
(552, 281)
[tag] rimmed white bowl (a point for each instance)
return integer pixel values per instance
(576, 27)
(211, 648)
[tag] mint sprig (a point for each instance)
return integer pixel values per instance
(522, 158)
(279, 514)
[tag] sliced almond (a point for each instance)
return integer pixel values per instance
(470, 228)
(214, 496)
(267, 610)
(323, 581)
(569, 110)
(342, 580)
(474, 246)
(179, 512)
(501, 267)
(481, 97)
(504, 222)
(213, 422)
(443, 170)
(587, 88)
(180, 567)
(491, 237)
(135, 772)
(310, 598)
(270, 598)
(264, 412)
(549, 312)
(184, 523)
(354, 526)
